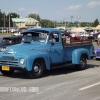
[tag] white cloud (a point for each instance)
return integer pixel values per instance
(93, 4)
(21, 9)
(75, 7)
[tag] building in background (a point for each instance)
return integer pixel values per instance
(25, 23)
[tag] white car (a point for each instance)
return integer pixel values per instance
(12, 30)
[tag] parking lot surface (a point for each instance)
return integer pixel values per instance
(58, 84)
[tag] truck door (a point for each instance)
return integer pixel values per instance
(56, 49)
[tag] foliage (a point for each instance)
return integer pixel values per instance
(47, 23)
(35, 16)
(96, 23)
(11, 15)
(14, 15)
(1, 18)
(4, 19)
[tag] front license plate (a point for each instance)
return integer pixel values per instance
(7, 68)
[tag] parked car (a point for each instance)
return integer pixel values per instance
(1, 31)
(96, 53)
(20, 30)
(9, 40)
(67, 34)
(12, 30)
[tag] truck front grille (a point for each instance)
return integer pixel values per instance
(8, 61)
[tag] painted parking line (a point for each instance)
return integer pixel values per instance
(90, 86)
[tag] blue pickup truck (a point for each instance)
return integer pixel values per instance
(37, 53)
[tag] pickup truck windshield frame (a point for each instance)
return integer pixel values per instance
(35, 37)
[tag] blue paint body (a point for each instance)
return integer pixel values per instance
(52, 54)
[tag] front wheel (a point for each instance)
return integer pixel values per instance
(82, 64)
(37, 70)
(7, 72)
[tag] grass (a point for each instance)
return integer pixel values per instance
(6, 34)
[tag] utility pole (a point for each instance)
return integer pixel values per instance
(65, 23)
(4, 20)
(71, 20)
(9, 20)
(36, 16)
(78, 21)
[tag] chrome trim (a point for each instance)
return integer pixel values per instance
(9, 63)
(9, 52)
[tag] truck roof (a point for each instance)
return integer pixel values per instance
(45, 30)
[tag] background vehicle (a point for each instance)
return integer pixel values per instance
(9, 40)
(20, 30)
(1, 31)
(96, 36)
(96, 53)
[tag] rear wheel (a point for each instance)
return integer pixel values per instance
(82, 64)
(7, 72)
(37, 69)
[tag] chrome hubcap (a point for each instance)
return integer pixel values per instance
(36, 69)
(82, 63)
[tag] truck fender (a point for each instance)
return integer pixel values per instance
(43, 56)
(77, 53)
(47, 61)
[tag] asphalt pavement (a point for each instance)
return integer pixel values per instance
(58, 84)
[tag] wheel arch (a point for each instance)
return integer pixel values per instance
(45, 60)
(76, 55)
(41, 60)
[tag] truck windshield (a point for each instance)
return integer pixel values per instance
(34, 37)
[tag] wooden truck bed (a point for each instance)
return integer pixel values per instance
(69, 42)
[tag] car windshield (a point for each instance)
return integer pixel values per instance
(34, 37)
(5, 41)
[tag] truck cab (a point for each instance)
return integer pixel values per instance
(37, 52)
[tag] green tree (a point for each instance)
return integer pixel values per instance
(47, 23)
(1, 18)
(10, 15)
(14, 15)
(35, 16)
(96, 22)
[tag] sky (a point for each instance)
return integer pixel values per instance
(56, 10)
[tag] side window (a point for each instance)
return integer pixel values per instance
(54, 37)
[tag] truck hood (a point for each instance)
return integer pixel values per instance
(24, 48)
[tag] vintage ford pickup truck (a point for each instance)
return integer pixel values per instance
(37, 52)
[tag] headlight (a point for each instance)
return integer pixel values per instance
(22, 61)
(2, 49)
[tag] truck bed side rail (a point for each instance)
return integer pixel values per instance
(69, 42)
